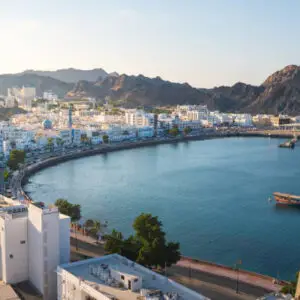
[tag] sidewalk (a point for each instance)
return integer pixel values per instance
(265, 282)
(84, 238)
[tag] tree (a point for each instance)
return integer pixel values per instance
(154, 250)
(105, 139)
(291, 287)
(187, 130)
(148, 246)
(174, 131)
(16, 158)
(69, 209)
(59, 141)
(114, 242)
(50, 143)
(6, 175)
(93, 227)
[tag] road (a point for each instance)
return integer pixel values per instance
(214, 286)
(210, 285)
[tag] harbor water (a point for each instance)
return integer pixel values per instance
(212, 196)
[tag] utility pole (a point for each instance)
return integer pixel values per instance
(239, 262)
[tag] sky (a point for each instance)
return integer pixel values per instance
(206, 43)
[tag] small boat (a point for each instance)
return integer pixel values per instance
(286, 199)
(288, 144)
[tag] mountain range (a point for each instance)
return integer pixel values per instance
(279, 93)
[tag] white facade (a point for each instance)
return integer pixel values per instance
(76, 136)
(10, 101)
(138, 118)
(116, 277)
(33, 242)
(66, 136)
(14, 248)
(50, 96)
(24, 95)
(145, 132)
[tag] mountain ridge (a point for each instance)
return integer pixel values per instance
(279, 93)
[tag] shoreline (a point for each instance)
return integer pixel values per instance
(52, 161)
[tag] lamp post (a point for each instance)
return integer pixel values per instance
(76, 240)
(238, 263)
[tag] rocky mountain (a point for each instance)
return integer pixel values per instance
(41, 83)
(279, 93)
(139, 90)
(71, 75)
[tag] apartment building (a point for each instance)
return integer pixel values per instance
(34, 240)
(116, 277)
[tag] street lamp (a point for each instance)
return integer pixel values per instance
(237, 264)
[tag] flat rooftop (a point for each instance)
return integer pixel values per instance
(7, 292)
(150, 280)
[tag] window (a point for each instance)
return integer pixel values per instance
(22, 242)
(122, 277)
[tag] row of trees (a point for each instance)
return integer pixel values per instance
(147, 246)
(92, 227)
(16, 158)
(175, 131)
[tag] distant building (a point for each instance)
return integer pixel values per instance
(33, 242)
(138, 118)
(50, 96)
(276, 121)
(10, 101)
(116, 277)
(24, 96)
(70, 120)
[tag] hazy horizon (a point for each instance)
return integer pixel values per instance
(203, 43)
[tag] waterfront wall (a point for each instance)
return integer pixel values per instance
(30, 170)
(219, 266)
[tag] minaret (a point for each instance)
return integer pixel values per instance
(70, 122)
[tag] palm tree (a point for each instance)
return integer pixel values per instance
(93, 227)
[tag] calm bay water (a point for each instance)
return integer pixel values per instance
(212, 197)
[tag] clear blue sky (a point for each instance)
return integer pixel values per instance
(203, 42)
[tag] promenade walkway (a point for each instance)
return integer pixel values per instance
(262, 281)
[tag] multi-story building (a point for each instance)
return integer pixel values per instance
(76, 136)
(24, 95)
(276, 121)
(34, 240)
(138, 118)
(10, 101)
(50, 96)
(66, 136)
(116, 277)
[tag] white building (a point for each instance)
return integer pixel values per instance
(50, 96)
(24, 95)
(116, 277)
(76, 136)
(33, 242)
(138, 118)
(10, 101)
(145, 132)
(66, 136)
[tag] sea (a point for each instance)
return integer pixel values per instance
(212, 196)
